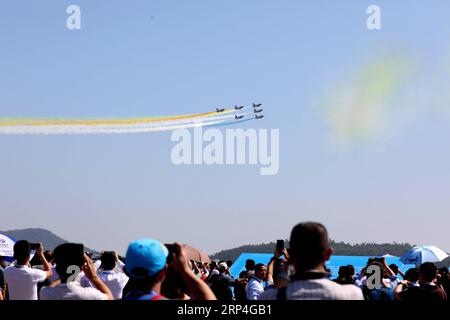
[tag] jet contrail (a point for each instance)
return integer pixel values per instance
(100, 122)
(105, 129)
(234, 122)
(111, 126)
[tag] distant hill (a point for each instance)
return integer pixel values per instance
(49, 240)
(340, 248)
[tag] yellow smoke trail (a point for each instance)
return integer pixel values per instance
(43, 126)
(102, 122)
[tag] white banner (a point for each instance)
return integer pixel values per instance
(6, 246)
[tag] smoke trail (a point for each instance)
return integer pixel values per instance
(106, 129)
(55, 129)
(47, 126)
(100, 122)
(233, 122)
(359, 108)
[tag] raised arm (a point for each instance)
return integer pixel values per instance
(91, 274)
(389, 271)
(47, 266)
(271, 265)
(199, 289)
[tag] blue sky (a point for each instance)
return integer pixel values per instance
(145, 58)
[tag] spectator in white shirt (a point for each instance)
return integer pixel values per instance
(309, 250)
(22, 280)
(114, 277)
(70, 259)
(255, 284)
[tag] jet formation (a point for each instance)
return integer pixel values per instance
(255, 107)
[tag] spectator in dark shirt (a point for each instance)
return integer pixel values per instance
(221, 283)
(429, 290)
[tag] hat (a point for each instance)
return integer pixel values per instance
(146, 254)
(223, 266)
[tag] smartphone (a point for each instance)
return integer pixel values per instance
(280, 245)
(171, 248)
(34, 246)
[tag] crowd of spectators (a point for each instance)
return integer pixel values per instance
(153, 271)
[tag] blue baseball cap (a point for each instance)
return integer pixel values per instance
(146, 254)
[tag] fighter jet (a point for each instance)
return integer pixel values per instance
(257, 111)
(259, 117)
(238, 117)
(238, 108)
(220, 110)
(257, 105)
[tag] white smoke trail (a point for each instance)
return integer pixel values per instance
(100, 129)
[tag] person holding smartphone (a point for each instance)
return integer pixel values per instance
(309, 249)
(109, 272)
(146, 264)
(70, 260)
(22, 280)
(277, 269)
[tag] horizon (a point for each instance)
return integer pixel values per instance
(223, 249)
(362, 114)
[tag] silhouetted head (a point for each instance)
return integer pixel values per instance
(109, 260)
(394, 268)
(342, 271)
(412, 275)
(350, 270)
(428, 272)
(250, 265)
(68, 257)
(22, 251)
(309, 246)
